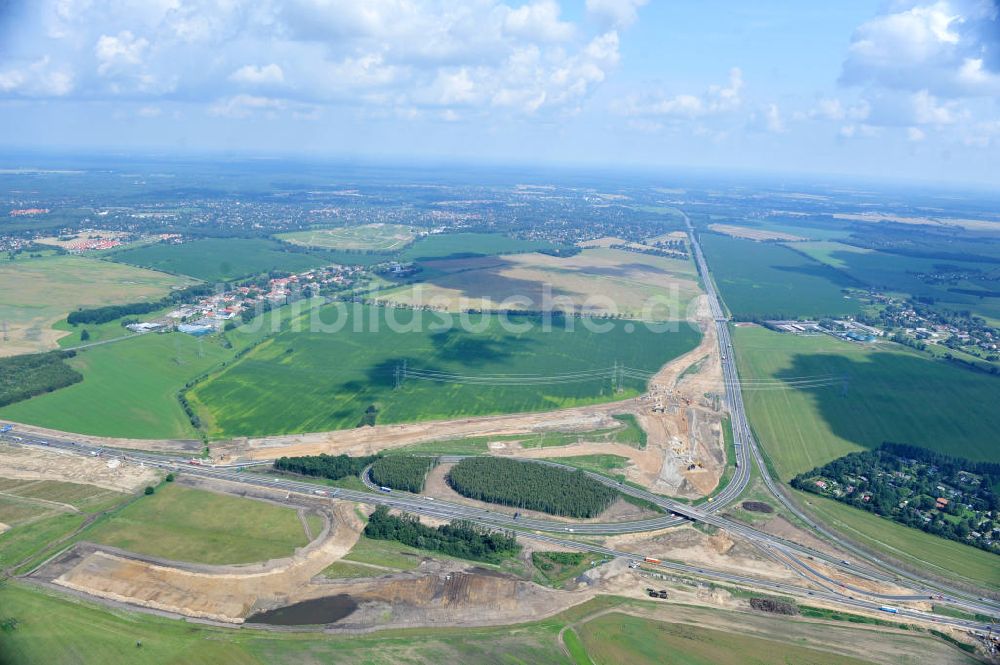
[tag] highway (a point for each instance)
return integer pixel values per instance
(746, 445)
(791, 554)
(445, 510)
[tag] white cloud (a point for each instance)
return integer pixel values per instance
(773, 120)
(117, 53)
(253, 75)
(149, 112)
(915, 134)
(860, 130)
(403, 54)
(37, 79)
(538, 22)
(973, 76)
(716, 99)
(242, 106)
(364, 71)
(616, 13)
(983, 134)
(928, 111)
(935, 46)
(834, 109)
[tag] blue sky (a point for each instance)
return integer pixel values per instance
(902, 89)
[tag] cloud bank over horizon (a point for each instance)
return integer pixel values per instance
(908, 83)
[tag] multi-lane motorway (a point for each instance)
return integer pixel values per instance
(795, 556)
(537, 529)
(746, 445)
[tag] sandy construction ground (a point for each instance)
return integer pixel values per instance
(720, 551)
(368, 440)
(32, 463)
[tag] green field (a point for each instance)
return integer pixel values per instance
(620, 638)
(899, 274)
(42, 511)
(318, 381)
(370, 237)
(54, 628)
(37, 293)
(217, 259)
(24, 503)
(892, 395)
(442, 246)
(58, 629)
(945, 558)
(202, 527)
(129, 388)
(768, 280)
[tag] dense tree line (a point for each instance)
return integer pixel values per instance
(23, 377)
(948, 464)
(333, 467)
(530, 485)
(459, 539)
(905, 483)
(107, 313)
(402, 472)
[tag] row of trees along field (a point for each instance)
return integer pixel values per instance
(403, 472)
(531, 486)
(22, 377)
(459, 539)
(333, 467)
(95, 315)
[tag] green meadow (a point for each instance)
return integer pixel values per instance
(316, 381)
(454, 245)
(53, 628)
(129, 388)
(38, 293)
(620, 638)
(191, 525)
(768, 280)
(942, 557)
(902, 274)
(887, 394)
(220, 259)
(370, 237)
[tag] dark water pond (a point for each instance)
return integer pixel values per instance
(308, 613)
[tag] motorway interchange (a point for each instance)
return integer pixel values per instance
(796, 557)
